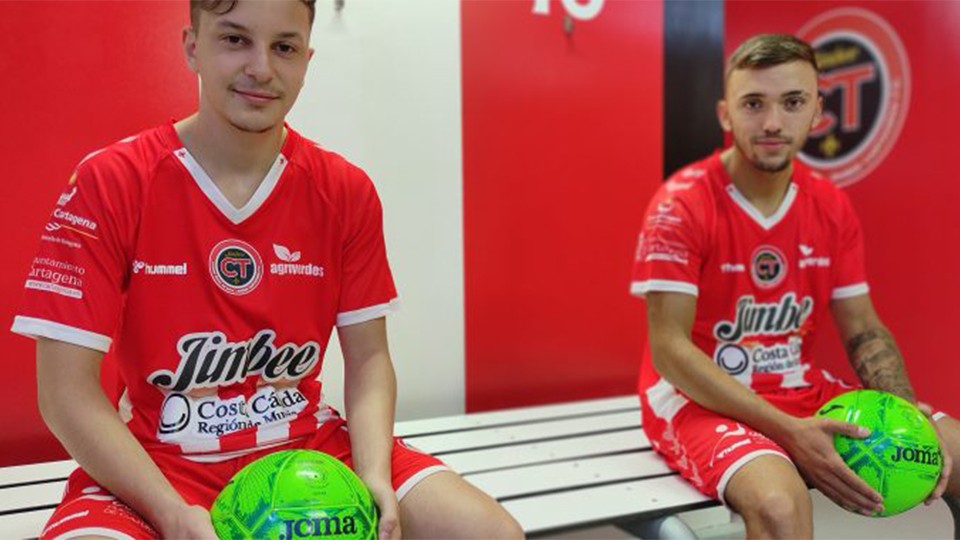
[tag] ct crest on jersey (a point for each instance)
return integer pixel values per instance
(236, 267)
(768, 267)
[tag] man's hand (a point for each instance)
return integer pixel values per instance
(191, 522)
(944, 453)
(810, 443)
(386, 499)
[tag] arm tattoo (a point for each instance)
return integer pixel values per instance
(878, 363)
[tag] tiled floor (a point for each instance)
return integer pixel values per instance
(830, 522)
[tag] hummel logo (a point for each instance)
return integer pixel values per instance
(284, 254)
(806, 250)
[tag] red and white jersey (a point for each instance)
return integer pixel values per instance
(762, 283)
(218, 316)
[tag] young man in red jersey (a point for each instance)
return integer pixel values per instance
(213, 256)
(739, 255)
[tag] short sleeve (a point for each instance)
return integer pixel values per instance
(73, 291)
(668, 256)
(367, 290)
(850, 274)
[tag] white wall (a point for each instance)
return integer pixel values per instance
(383, 89)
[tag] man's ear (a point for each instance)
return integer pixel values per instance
(819, 113)
(723, 115)
(189, 39)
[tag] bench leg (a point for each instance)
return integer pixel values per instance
(954, 506)
(666, 527)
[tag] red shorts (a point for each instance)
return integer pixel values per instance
(88, 509)
(707, 448)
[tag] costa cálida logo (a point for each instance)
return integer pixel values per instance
(865, 83)
(768, 267)
(235, 267)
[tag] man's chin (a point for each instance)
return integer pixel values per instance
(254, 126)
(772, 166)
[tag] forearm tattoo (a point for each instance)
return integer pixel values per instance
(878, 363)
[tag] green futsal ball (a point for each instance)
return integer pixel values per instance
(900, 458)
(295, 494)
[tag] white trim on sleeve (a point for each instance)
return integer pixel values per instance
(357, 316)
(641, 288)
(34, 328)
(850, 291)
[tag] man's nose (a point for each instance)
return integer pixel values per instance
(259, 65)
(773, 120)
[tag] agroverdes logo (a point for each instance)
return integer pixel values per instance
(865, 83)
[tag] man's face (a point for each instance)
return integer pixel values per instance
(251, 61)
(770, 112)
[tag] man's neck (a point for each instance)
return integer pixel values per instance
(765, 190)
(236, 160)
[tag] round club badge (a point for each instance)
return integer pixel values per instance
(768, 267)
(865, 83)
(235, 267)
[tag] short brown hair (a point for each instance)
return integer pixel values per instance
(768, 50)
(219, 7)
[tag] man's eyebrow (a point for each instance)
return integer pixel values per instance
(241, 28)
(233, 25)
(291, 35)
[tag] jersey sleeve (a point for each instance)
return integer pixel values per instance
(850, 274)
(73, 291)
(668, 256)
(367, 290)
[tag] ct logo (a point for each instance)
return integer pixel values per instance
(865, 82)
(768, 267)
(578, 9)
(235, 267)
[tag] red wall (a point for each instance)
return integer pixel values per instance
(908, 203)
(562, 150)
(77, 76)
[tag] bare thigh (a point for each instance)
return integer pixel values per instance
(444, 505)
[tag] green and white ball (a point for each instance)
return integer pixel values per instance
(900, 458)
(295, 494)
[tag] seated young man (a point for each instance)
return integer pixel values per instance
(739, 255)
(213, 256)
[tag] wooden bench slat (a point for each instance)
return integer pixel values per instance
(569, 474)
(24, 525)
(31, 495)
(459, 422)
(31, 473)
(583, 507)
(548, 429)
(539, 452)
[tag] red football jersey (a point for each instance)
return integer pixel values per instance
(218, 316)
(762, 283)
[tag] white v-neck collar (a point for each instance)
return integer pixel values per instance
(766, 222)
(231, 212)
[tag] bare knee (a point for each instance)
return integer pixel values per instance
(772, 498)
(781, 511)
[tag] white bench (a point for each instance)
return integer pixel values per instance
(554, 467)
